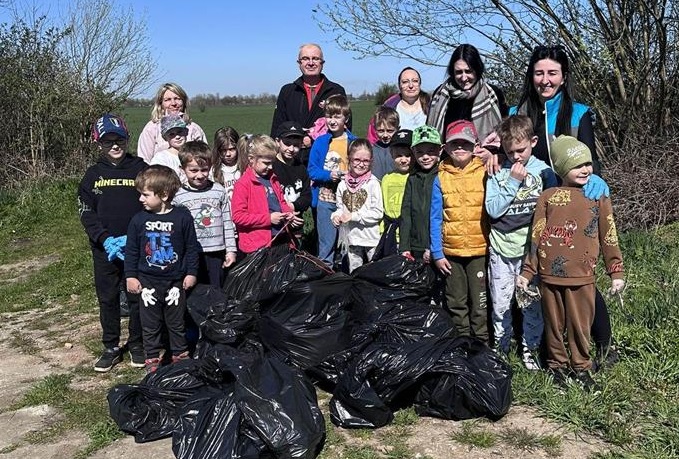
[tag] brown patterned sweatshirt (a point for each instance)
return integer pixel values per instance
(568, 233)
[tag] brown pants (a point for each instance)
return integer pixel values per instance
(569, 309)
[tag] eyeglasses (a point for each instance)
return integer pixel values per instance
(289, 142)
(414, 81)
(357, 161)
(108, 144)
(307, 59)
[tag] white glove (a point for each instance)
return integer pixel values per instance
(522, 283)
(147, 296)
(617, 286)
(172, 298)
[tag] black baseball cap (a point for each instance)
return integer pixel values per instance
(290, 129)
(402, 137)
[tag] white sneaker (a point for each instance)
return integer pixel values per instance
(530, 361)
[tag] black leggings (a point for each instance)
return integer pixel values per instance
(601, 328)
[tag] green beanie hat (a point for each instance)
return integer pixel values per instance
(567, 153)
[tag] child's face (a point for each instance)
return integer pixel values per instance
(288, 147)
(360, 161)
(461, 151)
(336, 123)
(196, 174)
(229, 154)
(261, 166)
(401, 155)
(151, 201)
(113, 146)
(520, 150)
(176, 137)
(385, 132)
(427, 155)
(578, 176)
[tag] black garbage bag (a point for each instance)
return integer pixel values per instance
(150, 410)
(308, 322)
(407, 374)
(268, 271)
(268, 410)
(393, 278)
(220, 319)
(468, 381)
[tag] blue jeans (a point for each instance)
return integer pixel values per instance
(327, 233)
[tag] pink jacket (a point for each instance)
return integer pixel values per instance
(250, 210)
(151, 142)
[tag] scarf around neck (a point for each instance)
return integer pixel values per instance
(355, 183)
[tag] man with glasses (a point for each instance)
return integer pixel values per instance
(303, 100)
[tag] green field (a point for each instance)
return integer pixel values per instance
(253, 119)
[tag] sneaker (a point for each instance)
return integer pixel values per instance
(108, 360)
(152, 365)
(585, 379)
(137, 359)
(561, 376)
(183, 356)
(530, 360)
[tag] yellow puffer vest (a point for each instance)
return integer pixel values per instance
(465, 222)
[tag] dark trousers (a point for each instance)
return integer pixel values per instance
(570, 310)
(467, 295)
(601, 328)
(162, 302)
(210, 268)
(108, 277)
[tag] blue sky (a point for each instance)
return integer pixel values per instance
(247, 47)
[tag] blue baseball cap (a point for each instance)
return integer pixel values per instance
(110, 124)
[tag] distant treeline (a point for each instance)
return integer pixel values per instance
(202, 101)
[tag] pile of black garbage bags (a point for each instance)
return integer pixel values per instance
(283, 323)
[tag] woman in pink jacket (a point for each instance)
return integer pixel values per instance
(170, 99)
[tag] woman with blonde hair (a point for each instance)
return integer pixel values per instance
(170, 99)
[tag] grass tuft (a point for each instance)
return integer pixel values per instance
(473, 435)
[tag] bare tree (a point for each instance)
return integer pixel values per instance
(625, 51)
(108, 48)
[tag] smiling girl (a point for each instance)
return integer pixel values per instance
(359, 206)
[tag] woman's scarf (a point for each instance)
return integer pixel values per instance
(355, 183)
(485, 109)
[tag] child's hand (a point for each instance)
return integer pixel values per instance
(518, 171)
(522, 283)
(336, 176)
(189, 281)
(408, 255)
(444, 266)
(426, 257)
(295, 220)
(133, 285)
(617, 286)
(277, 218)
(229, 259)
(345, 217)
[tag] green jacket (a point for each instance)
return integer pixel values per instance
(415, 211)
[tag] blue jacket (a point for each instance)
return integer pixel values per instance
(318, 175)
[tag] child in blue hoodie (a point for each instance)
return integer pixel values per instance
(511, 195)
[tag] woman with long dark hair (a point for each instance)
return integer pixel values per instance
(548, 100)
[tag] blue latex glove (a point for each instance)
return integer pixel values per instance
(595, 188)
(120, 246)
(111, 247)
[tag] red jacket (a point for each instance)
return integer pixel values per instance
(250, 210)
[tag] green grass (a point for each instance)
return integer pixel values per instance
(472, 434)
(253, 119)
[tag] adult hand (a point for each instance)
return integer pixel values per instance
(408, 255)
(295, 220)
(229, 259)
(426, 257)
(490, 160)
(345, 217)
(335, 219)
(444, 266)
(595, 188)
(189, 281)
(617, 286)
(518, 171)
